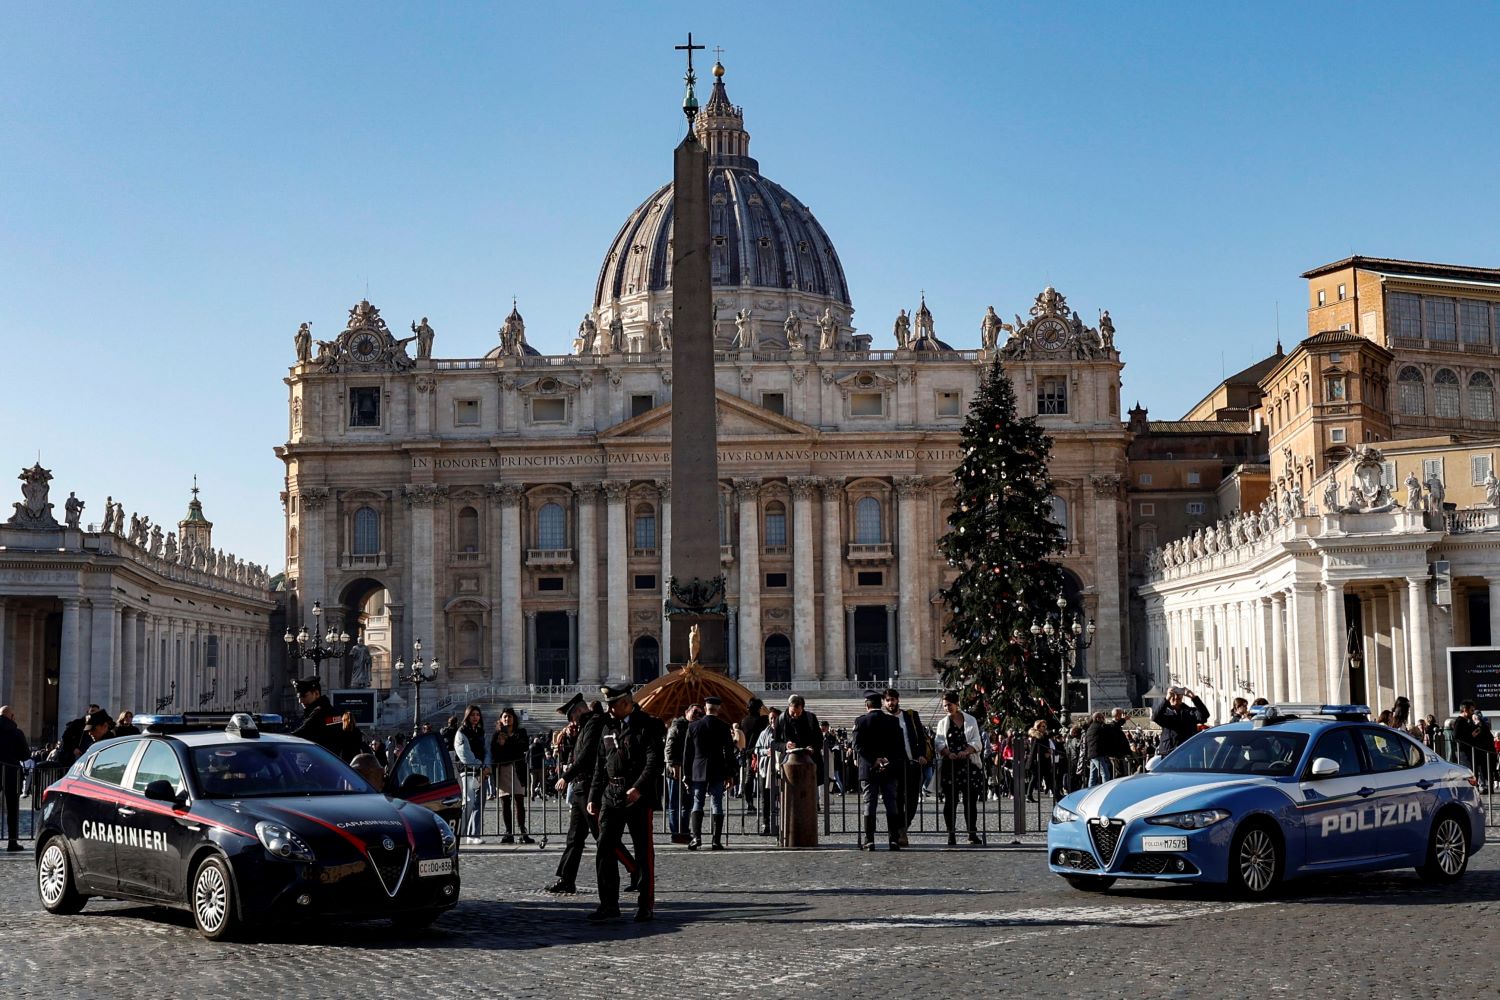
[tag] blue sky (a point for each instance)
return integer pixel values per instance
(181, 185)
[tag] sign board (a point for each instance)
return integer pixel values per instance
(360, 701)
(1474, 673)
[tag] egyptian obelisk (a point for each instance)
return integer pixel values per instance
(697, 587)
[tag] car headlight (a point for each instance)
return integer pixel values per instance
(450, 839)
(1196, 820)
(1061, 815)
(281, 842)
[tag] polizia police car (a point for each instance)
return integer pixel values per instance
(1300, 790)
(240, 826)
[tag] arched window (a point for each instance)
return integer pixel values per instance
(867, 527)
(468, 530)
(645, 660)
(1445, 393)
(366, 532)
(1413, 393)
(551, 527)
(775, 524)
(1058, 515)
(1481, 397)
(468, 644)
(645, 528)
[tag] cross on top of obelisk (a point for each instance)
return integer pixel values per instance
(690, 102)
(690, 48)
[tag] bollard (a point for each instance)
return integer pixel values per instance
(799, 802)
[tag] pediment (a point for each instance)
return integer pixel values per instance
(548, 385)
(865, 381)
(737, 418)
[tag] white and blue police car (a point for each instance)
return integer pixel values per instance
(1299, 790)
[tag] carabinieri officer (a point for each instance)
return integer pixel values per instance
(623, 794)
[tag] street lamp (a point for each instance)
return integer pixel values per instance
(307, 645)
(1065, 639)
(418, 673)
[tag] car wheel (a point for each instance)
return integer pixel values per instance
(415, 920)
(54, 880)
(212, 900)
(1447, 850)
(1255, 860)
(1089, 883)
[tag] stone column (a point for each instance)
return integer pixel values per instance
(837, 633)
(590, 667)
(732, 641)
(1494, 611)
(6, 675)
(1424, 692)
(617, 656)
(422, 500)
(102, 651)
(531, 665)
(752, 664)
(1279, 692)
(510, 652)
(1303, 621)
(123, 686)
(664, 547)
(890, 639)
(572, 646)
(1400, 655)
(804, 608)
(1380, 676)
(1336, 641)
(849, 644)
(908, 556)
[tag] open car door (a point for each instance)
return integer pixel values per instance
(424, 774)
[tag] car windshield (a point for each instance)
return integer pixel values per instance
(1244, 751)
(250, 770)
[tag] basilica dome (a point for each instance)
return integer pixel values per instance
(769, 254)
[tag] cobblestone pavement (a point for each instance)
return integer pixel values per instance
(832, 922)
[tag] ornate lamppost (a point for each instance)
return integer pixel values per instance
(1065, 640)
(307, 645)
(167, 698)
(418, 673)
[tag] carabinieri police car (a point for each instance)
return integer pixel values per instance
(240, 826)
(1299, 790)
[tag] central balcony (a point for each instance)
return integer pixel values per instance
(549, 557)
(878, 552)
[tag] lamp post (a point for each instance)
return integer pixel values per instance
(418, 673)
(312, 646)
(1065, 640)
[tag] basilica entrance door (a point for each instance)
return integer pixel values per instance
(552, 644)
(872, 654)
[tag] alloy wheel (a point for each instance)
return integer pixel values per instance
(1257, 860)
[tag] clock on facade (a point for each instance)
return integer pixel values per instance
(1051, 335)
(365, 346)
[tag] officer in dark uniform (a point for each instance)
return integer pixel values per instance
(708, 759)
(319, 724)
(881, 748)
(624, 792)
(579, 774)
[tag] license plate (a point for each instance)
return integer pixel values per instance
(1159, 844)
(437, 866)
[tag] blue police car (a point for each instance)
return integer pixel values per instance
(240, 826)
(1299, 790)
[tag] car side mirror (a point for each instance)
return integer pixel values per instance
(1153, 763)
(1325, 767)
(161, 790)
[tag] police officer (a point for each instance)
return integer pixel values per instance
(708, 759)
(624, 791)
(577, 779)
(319, 724)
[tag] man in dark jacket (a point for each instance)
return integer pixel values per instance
(625, 789)
(918, 744)
(676, 740)
(13, 750)
(1178, 720)
(708, 762)
(70, 746)
(319, 724)
(576, 779)
(881, 749)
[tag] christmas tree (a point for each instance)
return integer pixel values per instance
(1001, 538)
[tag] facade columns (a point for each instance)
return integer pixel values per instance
(1380, 675)
(838, 628)
(731, 641)
(1494, 611)
(572, 646)
(127, 664)
(1302, 618)
(804, 599)
(531, 671)
(1280, 690)
(664, 546)
(890, 639)
(6, 675)
(421, 501)
(849, 666)
(1336, 641)
(908, 558)
(617, 655)
(589, 666)
(752, 665)
(1419, 629)
(509, 636)
(312, 505)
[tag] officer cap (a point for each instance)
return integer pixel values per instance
(306, 684)
(566, 708)
(713, 700)
(615, 693)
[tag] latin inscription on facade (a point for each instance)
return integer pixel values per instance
(726, 456)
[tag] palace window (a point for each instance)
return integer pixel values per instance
(1474, 322)
(1343, 292)
(1413, 393)
(1481, 397)
(774, 401)
(1058, 514)
(364, 406)
(551, 527)
(867, 404)
(641, 402)
(549, 411)
(775, 525)
(868, 529)
(1405, 315)
(1146, 538)
(366, 532)
(1195, 507)
(1445, 393)
(1052, 396)
(466, 412)
(1437, 315)
(1322, 297)
(1336, 435)
(1148, 510)
(468, 530)
(645, 528)
(950, 404)
(1480, 467)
